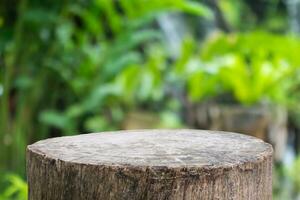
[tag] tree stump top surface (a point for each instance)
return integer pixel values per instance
(156, 148)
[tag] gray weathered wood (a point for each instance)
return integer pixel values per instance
(150, 164)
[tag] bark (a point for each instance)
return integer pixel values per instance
(150, 164)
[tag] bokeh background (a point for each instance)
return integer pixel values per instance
(72, 67)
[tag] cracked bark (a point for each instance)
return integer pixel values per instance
(150, 164)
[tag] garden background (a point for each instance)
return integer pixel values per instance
(71, 67)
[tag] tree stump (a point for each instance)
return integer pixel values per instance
(150, 164)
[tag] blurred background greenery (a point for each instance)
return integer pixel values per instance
(70, 67)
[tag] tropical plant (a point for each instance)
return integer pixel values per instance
(15, 188)
(249, 67)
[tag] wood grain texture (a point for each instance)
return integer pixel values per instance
(150, 164)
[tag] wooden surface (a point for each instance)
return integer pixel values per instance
(150, 164)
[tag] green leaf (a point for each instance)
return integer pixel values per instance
(54, 118)
(197, 9)
(97, 123)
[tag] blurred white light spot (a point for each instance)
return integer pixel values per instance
(1, 90)
(289, 157)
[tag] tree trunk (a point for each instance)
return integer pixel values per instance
(150, 164)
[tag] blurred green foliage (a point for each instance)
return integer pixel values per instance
(251, 15)
(15, 188)
(250, 67)
(286, 184)
(293, 173)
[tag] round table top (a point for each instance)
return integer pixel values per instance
(170, 148)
